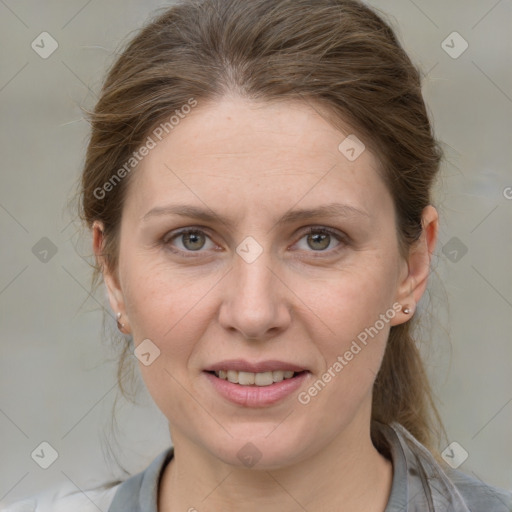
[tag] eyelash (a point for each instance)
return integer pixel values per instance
(342, 238)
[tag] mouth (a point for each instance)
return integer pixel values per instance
(255, 385)
(259, 379)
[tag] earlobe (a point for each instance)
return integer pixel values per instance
(114, 292)
(406, 310)
(414, 284)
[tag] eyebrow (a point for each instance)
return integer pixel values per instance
(207, 215)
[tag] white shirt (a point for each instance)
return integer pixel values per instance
(65, 498)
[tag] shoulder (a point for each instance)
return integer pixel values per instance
(433, 481)
(479, 495)
(64, 499)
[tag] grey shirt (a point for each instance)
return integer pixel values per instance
(420, 484)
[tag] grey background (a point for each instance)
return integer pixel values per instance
(57, 375)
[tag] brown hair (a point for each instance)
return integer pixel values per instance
(336, 54)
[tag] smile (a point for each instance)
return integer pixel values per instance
(254, 379)
(258, 389)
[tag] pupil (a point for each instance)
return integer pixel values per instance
(321, 237)
(193, 238)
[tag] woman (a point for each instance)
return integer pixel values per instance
(258, 185)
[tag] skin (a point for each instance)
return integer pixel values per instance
(302, 300)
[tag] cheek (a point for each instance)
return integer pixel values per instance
(173, 309)
(350, 352)
(165, 308)
(354, 310)
(353, 298)
(161, 299)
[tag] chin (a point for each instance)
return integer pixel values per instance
(263, 448)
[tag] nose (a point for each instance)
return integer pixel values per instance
(255, 299)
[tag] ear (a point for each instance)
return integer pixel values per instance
(414, 278)
(115, 294)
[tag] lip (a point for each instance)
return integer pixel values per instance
(255, 396)
(240, 365)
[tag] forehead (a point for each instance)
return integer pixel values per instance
(236, 152)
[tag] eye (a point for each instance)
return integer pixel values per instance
(320, 238)
(192, 240)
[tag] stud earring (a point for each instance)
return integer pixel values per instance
(119, 324)
(406, 310)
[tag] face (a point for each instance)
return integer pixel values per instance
(252, 285)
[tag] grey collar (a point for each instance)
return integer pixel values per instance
(419, 482)
(139, 493)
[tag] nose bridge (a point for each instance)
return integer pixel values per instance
(252, 273)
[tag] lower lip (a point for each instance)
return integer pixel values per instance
(256, 396)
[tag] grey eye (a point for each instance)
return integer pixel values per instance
(318, 241)
(193, 240)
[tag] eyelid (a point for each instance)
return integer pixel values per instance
(342, 237)
(331, 231)
(175, 233)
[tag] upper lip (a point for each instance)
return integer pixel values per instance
(241, 365)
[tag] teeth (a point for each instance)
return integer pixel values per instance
(263, 379)
(254, 379)
(233, 376)
(277, 375)
(245, 378)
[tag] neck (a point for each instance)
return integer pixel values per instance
(348, 474)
